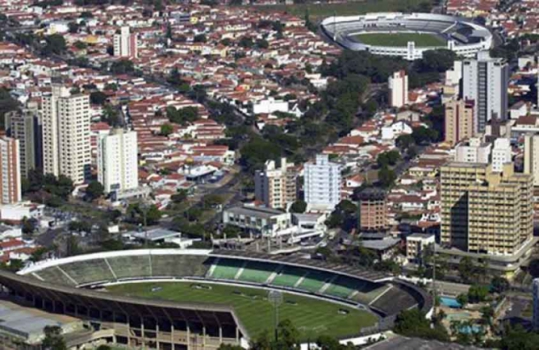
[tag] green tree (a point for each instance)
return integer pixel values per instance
(200, 38)
(462, 299)
(28, 226)
(166, 129)
(73, 27)
(467, 270)
(298, 206)
(499, 284)
(122, 66)
(98, 97)
(54, 44)
(477, 293)
(179, 197)
(53, 339)
(386, 177)
(94, 190)
(413, 323)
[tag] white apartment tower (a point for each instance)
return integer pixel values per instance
(10, 171)
(398, 89)
(531, 156)
(322, 183)
(66, 134)
(276, 187)
(473, 150)
(501, 154)
(117, 161)
(125, 44)
(485, 81)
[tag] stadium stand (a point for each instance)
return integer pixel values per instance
(393, 301)
(314, 281)
(130, 266)
(344, 287)
(178, 266)
(288, 276)
(257, 272)
(226, 269)
(55, 276)
(85, 272)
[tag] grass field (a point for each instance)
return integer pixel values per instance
(312, 317)
(319, 11)
(400, 39)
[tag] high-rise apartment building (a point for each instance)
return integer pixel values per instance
(125, 43)
(322, 183)
(485, 211)
(372, 210)
(485, 80)
(10, 171)
(117, 161)
(459, 120)
(66, 134)
(535, 316)
(501, 154)
(276, 187)
(398, 89)
(25, 126)
(531, 156)
(473, 150)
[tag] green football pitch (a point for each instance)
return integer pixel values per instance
(400, 39)
(312, 317)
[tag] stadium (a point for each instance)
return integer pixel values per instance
(407, 35)
(198, 299)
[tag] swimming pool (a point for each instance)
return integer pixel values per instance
(475, 328)
(459, 316)
(450, 302)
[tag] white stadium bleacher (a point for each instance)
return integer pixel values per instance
(460, 35)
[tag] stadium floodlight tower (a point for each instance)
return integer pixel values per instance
(275, 297)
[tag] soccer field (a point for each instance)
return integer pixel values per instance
(399, 39)
(311, 316)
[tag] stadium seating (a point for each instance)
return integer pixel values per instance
(343, 287)
(314, 281)
(55, 276)
(257, 272)
(89, 271)
(178, 266)
(130, 266)
(288, 276)
(226, 269)
(393, 301)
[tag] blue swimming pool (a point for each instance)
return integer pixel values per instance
(475, 328)
(450, 302)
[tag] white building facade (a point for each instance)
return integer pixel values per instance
(117, 160)
(398, 89)
(125, 43)
(473, 151)
(322, 183)
(10, 171)
(531, 156)
(501, 154)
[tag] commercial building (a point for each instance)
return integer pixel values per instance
(416, 246)
(25, 126)
(485, 211)
(66, 134)
(501, 154)
(276, 187)
(10, 171)
(125, 43)
(117, 161)
(473, 150)
(259, 221)
(322, 183)
(459, 120)
(485, 80)
(398, 89)
(372, 210)
(531, 156)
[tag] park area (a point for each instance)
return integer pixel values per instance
(399, 39)
(312, 317)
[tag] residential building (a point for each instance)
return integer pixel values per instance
(501, 154)
(125, 43)
(10, 171)
(531, 156)
(66, 134)
(117, 161)
(25, 126)
(535, 316)
(485, 80)
(417, 245)
(322, 183)
(485, 211)
(276, 187)
(473, 150)
(259, 221)
(398, 89)
(372, 210)
(459, 120)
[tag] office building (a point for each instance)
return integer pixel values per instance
(322, 183)
(418, 245)
(501, 154)
(398, 89)
(66, 134)
(372, 210)
(117, 161)
(473, 150)
(276, 186)
(10, 171)
(459, 120)
(485, 80)
(125, 44)
(485, 211)
(535, 316)
(531, 156)
(25, 126)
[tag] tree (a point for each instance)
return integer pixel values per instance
(80, 226)
(477, 293)
(111, 115)
(179, 197)
(122, 66)
(28, 226)
(298, 206)
(104, 347)
(80, 45)
(54, 44)
(413, 323)
(73, 27)
(499, 284)
(53, 338)
(462, 299)
(94, 190)
(98, 97)
(200, 38)
(437, 60)
(166, 129)
(533, 268)
(386, 177)
(136, 214)
(467, 270)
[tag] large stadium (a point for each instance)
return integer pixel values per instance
(407, 35)
(194, 299)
